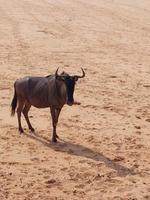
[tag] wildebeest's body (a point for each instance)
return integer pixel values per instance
(51, 91)
(42, 92)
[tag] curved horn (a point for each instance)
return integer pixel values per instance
(56, 73)
(83, 74)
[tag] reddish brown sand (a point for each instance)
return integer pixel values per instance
(105, 148)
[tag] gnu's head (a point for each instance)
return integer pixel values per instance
(70, 82)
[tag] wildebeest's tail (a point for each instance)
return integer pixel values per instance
(14, 103)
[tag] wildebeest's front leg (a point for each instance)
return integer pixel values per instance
(55, 114)
(57, 111)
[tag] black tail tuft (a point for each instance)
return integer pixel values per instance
(14, 103)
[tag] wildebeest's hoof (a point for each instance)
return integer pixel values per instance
(54, 140)
(21, 130)
(32, 130)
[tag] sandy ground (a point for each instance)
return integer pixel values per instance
(105, 148)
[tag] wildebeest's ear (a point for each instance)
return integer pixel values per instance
(63, 73)
(75, 78)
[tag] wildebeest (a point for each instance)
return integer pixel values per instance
(51, 91)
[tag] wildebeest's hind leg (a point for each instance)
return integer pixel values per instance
(19, 110)
(25, 112)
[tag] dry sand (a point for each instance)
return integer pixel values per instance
(105, 148)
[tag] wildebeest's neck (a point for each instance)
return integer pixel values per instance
(57, 92)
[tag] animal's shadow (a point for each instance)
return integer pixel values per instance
(79, 150)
